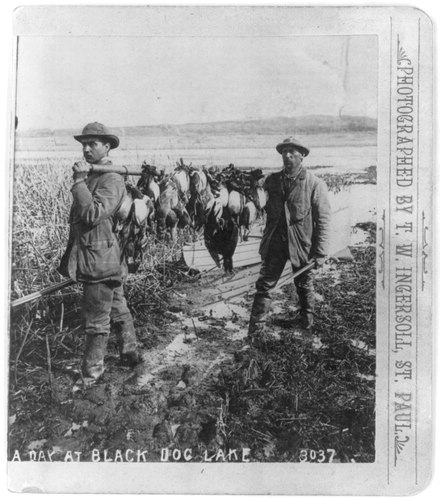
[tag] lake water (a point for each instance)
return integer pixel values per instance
(350, 206)
(341, 157)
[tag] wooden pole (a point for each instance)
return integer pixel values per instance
(123, 170)
(134, 170)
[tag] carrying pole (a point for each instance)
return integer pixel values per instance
(123, 170)
(132, 170)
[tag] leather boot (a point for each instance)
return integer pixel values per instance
(307, 319)
(307, 304)
(257, 321)
(127, 343)
(93, 360)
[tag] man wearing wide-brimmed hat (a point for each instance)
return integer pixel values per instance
(297, 228)
(93, 255)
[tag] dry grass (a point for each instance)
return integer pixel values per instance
(40, 213)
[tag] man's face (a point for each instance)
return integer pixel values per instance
(94, 150)
(292, 158)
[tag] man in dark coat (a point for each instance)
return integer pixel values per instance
(93, 255)
(297, 230)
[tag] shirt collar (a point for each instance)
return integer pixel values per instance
(104, 161)
(301, 175)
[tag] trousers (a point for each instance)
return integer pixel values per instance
(272, 267)
(102, 304)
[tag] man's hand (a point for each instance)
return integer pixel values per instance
(319, 261)
(80, 170)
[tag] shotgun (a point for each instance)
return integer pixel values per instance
(42, 292)
(343, 255)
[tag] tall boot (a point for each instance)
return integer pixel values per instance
(127, 343)
(257, 321)
(93, 360)
(307, 303)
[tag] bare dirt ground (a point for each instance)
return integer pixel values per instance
(203, 393)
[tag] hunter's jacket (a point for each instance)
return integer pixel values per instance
(305, 209)
(93, 253)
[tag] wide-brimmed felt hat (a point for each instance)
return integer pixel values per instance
(290, 141)
(98, 131)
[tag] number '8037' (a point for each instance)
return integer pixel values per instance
(316, 456)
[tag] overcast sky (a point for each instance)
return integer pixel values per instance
(64, 82)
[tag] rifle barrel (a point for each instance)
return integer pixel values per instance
(42, 292)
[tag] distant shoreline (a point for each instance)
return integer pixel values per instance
(299, 125)
(205, 142)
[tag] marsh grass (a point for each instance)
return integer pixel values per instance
(40, 227)
(293, 396)
(288, 397)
